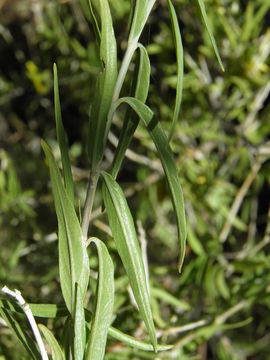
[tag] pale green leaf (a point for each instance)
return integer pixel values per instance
(79, 324)
(62, 141)
(73, 258)
(103, 312)
(180, 65)
(104, 89)
(124, 234)
(140, 14)
(139, 90)
(135, 343)
(170, 299)
(57, 353)
(18, 330)
(168, 163)
(90, 15)
(210, 33)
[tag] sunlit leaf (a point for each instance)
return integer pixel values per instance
(57, 353)
(135, 343)
(62, 141)
(180, 65)
(104, 89)
(73, 259)
(140, 14)
(16, 326)
(103, 312)
(167, 160)
(124, 234)
(210, 33)
(139, 90)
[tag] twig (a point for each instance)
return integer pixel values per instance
(26, 308)
(182, 329)
(239, 199)
(266, 239)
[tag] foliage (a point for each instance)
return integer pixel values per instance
(220, 148)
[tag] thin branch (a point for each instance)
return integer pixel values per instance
(238, 200)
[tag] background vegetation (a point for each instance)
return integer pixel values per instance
(222, 149)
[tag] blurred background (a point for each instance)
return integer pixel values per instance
(222, 149)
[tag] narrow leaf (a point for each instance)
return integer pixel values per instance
(180, 65)
(140, 14)
(104, 89)
(139, 90)
(79, 324)
(124, 234)
(73, 259)
(210, 33)
(135, 343)
(90, 15)
(19, 331)
(103, 312)
(168, 163)
(57, 353)
(61, 137)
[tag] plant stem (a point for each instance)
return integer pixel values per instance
(91, 190)
(120, 80)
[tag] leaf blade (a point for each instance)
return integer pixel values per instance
(57, 353)
(180, 66)
(104, 304)
(124, 234)
(135, 343)
(210, 33)
(104, 89)
(168, 164)
(62, 141)
(73, 258)
(139, 89)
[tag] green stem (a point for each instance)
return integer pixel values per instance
(120, 80)
(91, 190)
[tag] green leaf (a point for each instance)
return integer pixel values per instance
(140, 14)
(167, 160)
(90, 15)
(170, 299)
(124, 234)
(103, 312)
(140, 87)
(79, 337)
(14, 324)
(180, 65)
(62, 141)
(104, 89)
(210, 33)
(57, 353)
(73, 258)
(135, 343)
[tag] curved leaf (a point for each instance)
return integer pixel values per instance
(104, 89)
(180, 65)
(57, 353)
(140, 14)
(135, 343)
(124, 234)
(139, 89)
(210, 33)
(73, 258)
(62, 141)
(167, 160)
(102, 316)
